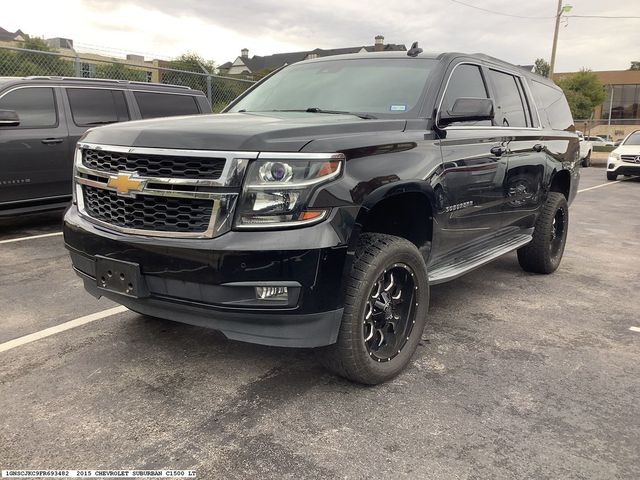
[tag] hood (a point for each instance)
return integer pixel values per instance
(628, 150)
(273, 131)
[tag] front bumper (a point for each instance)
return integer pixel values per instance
(621, 167)
(211, 282)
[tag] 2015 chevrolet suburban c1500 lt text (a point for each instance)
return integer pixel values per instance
(319, 207)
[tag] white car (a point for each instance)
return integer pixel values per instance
(599, 141)
(625, 160)
(586, 147)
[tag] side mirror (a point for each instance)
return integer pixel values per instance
(9, 118)
(468, 110)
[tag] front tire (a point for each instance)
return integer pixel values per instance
(544, 253)
(612, 176)
(385, 310)
(586, 161)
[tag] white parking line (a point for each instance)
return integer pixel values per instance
(32, 237)
(47, 332)
(605, 184)
(635, 329)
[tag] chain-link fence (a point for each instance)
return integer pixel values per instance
(20, 62)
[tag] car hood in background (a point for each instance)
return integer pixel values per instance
(628, 150)
(272, 131)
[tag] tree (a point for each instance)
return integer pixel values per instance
(635, 66)
(583, 91)
(542, 67)
(188, 62)
(262, 73)
(192, 62)
(117, 71)
(41, 61)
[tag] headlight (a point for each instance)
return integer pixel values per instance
(614, 157)
(278, 188)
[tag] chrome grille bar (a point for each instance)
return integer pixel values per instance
(222, 192)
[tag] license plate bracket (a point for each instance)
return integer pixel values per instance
(120, 277)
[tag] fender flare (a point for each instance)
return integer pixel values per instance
(384, 193)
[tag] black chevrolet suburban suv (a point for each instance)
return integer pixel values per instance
(319, 207)
(42, 118)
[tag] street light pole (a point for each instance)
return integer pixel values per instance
(610, 109)
(555, 40)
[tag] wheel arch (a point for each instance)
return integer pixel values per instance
(393, 209)
(561, 183)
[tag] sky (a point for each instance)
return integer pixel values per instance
(217, 30)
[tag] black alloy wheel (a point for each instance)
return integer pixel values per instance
(389, 314)
(544, 253)
(385, 310)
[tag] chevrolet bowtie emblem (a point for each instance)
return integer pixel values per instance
(125, 183)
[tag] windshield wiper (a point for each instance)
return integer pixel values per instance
(366, 116)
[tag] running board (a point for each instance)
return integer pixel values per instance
(450, 270)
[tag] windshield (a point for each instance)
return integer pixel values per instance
(633, 139)
(375, 86)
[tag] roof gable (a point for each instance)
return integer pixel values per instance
(7, 35)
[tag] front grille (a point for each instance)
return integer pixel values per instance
(630, 158)
(146, 212)
(154, 165)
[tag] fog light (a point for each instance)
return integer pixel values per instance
(272, 293)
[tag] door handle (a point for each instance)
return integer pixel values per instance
(498, 151)
(538, 148)
(52, 141)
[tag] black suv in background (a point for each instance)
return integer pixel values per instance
(319, 208)
(41, 119)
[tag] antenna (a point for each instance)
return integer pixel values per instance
(414, 51)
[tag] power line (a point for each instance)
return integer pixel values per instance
(599, 16)
(541, 18)
(499, 13)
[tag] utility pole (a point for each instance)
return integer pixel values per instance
(555, 40)
(610, 109)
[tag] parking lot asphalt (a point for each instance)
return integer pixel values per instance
(517, 376)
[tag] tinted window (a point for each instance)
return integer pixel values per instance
(465, 82)
(154, 105)
(510, 111)
(633, 139)
(36, 107)
(97, 106)
(376, 86)
(626, 102)
(552, 105)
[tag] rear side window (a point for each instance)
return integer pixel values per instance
(36, 107)
(97, 106)
(511, 109)
(552, 105)
(154, 105)
(465, 82)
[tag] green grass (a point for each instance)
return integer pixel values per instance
(603, 149)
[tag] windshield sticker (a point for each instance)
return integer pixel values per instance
(398, 108)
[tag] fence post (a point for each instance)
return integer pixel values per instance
(76, 62)
(209, 86)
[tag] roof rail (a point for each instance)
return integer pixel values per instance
(105, 80)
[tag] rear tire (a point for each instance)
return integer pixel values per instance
(544, 253)
(385, 310)
(612, 176)
(586, 161)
